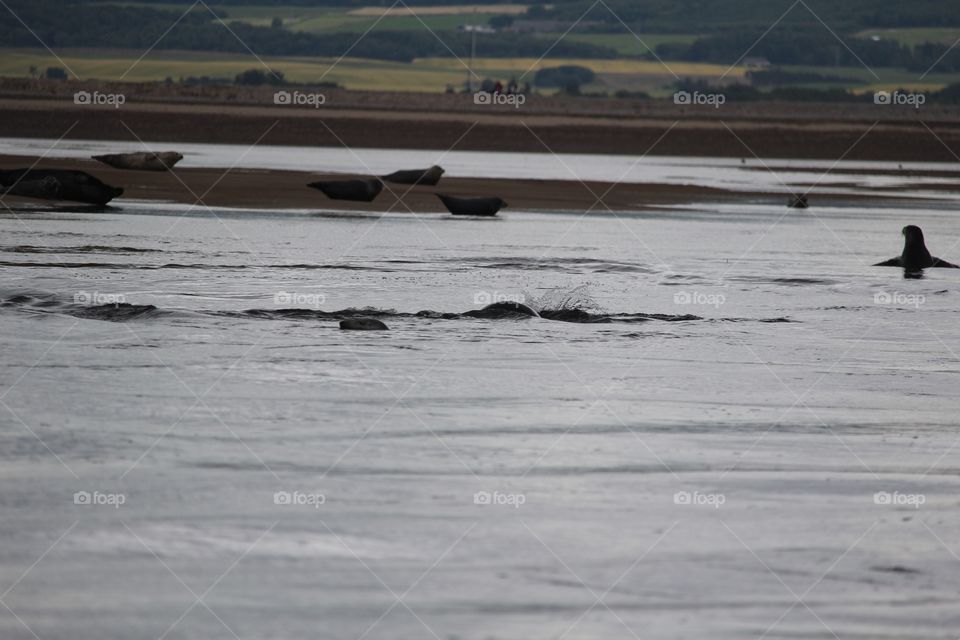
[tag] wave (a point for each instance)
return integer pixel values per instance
(569, 265)
(121, 311)
(87, 248)
(112, 312)
(177, 265)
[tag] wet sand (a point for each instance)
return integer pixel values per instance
(444, 122)
(278, 189)
(272, 189)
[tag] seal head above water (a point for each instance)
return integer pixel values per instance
(362, 324)
(915, 255)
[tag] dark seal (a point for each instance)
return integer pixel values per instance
(76, 186)
(488, 206)
(915, 256)
(362, 324)
(428, 177)
(360, 190)
(503, 310)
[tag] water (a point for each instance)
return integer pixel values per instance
(742, 358)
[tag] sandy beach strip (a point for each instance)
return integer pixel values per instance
(274, 189)
(765, 131)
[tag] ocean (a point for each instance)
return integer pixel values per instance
(726, 424)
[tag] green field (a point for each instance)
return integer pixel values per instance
(423, 74)
(624, 43)
(342, 19)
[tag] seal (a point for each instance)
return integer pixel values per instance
(506, 309)
(143, 161)
(915, 255)
(47, 189)
(361, 190)
(798, 202)
(429, 177)
(76, 186)
(472, 206)
(362, 324)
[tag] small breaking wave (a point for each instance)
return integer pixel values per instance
(87, 248)
(111, 312)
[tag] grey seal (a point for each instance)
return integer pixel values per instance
(488, 206)
(429, 177)
(77, 186)
(503, 310)
(915, 255)
(362, 190)
(142, 161)
(362, 324)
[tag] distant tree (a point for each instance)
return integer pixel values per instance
(55, 73)
(563, 76)
(257, 77)
(501, 21)
(277, 22)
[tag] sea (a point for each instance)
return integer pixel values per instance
(725, 422)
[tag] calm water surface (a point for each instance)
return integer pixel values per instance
(745, 359)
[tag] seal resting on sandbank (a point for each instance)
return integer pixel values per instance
(915, 255)
(429, 177)
(141, 161)
(472, 206)
(362, 190)
(47, 188)
(503, 310)
(362, 324)
(77, 186)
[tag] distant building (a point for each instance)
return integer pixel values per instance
(476, 28)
